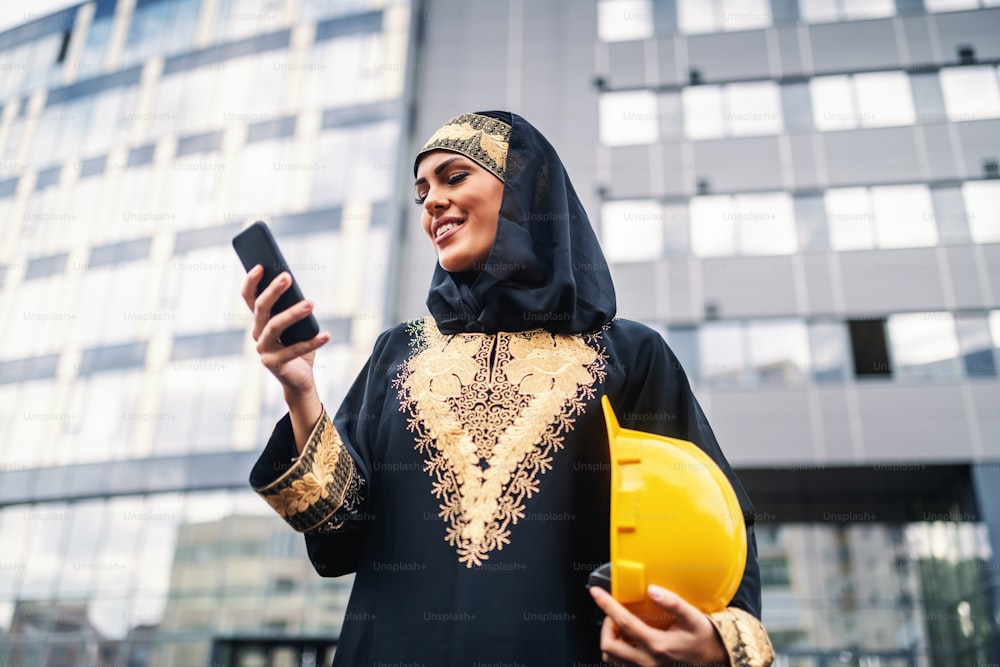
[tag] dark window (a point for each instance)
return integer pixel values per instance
(63, 48)
(871, 356)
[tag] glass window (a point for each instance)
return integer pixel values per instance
(796, 107)
(677, 230)
(698, 16)
(41, 314)
(196, 113)
(13, 550)
(884, 99)
(722, 354)
(187, 307)
(198, 396)
(264, 169)
(240, 18)
(970, 93)
(93, 51)
(683, 341)
(927, 98)
(868, 9)
(192, 187)
(995, 329)
(829, 351)
(81, 548)
(949, 213)
(130, 214)
(39, 214)
(949, 5)
(753, 108)
(812, 229)
(703, 114)
(632, 231)
(982, 205)
(350, 59)
(975, 346)
(766, 224)
(48, 523)
(832, 103)
(628, 118)
(924, 345)
(104, 410)
(850, 219)
(11, 147)
(818, 11)
(695, 16)
(903, 216)
(713, 226)
(101, 122)
(620, 20)
(328, 8)
(778, 352)
(167, 107)
(745, 14)
(671, 116)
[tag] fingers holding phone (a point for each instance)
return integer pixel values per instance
(284, 327)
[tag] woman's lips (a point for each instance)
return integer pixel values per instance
(451, 232)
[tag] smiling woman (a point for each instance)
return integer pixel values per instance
(465, 478)
(461, 203)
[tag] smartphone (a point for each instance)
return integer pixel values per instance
(256, 245)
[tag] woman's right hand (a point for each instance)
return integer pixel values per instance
(292, 365)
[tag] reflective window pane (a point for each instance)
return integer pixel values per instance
(924, 345)
(832, 103)
(703, 112)
(975, 346)
(753, 108)
(632, 231)
(620, 20)
(850, 218)
(903, 216)
(884, 99)
(982, 205)
(778, 352)
(766, 224)
(721, 362)
(970, 93)
(628, 118)
(829, 351)
(745, 14)
(713, 226)
(868, 9)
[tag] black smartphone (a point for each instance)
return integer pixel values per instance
(256, 245)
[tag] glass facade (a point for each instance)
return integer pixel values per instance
(802, 196)
(135, 140)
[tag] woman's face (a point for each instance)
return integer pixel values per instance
(461, 203)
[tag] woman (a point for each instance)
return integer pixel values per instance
(465, 477)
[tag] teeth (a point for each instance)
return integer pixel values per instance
(445, 227)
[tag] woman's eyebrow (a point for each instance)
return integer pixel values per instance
(438, 169)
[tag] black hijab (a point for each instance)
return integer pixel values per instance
(546, 269)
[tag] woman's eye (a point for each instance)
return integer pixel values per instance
(455, 178)
(420, 199)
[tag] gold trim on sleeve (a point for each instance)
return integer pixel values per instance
(744, 638)
(314, 487)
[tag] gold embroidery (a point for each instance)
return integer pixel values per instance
(481, 138)
(489, 431)
(315, 486)
(744, 638)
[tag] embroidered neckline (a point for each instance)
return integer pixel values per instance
(489, 429)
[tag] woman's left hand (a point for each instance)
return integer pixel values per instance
(626, 640)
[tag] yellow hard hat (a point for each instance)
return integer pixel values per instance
(675, 522)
